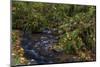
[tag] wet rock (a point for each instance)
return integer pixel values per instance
(47, 31)
(45, 42)
(32, 61)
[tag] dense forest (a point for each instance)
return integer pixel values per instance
(46, 33)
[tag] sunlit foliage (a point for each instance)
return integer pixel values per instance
(77, 22)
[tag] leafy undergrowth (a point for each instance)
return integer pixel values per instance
(17, 51)
(74, 25)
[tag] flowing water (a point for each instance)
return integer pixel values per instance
(38, 47)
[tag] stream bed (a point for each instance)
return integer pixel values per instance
(38, 47)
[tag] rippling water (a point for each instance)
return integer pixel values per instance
(38, 47)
